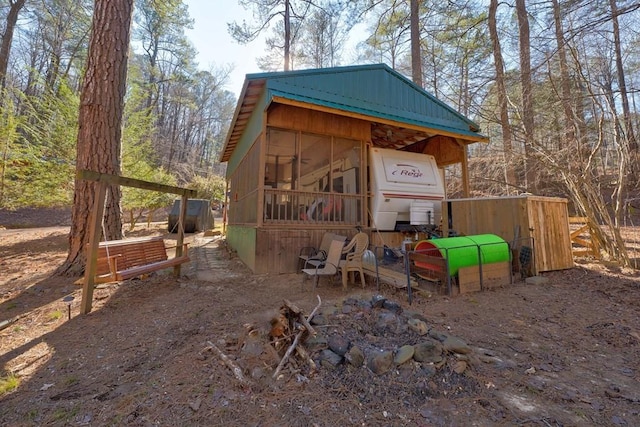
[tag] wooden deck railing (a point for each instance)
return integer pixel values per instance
(295, 207)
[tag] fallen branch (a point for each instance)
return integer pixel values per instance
(287, 354)
(6, 323)
(295, 341)
(237, 372)
(303, 354)
(298, 312)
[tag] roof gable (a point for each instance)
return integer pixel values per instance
(375, 91)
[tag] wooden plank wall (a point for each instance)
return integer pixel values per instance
(295, 118)
(500, 216)
(392, 239)
(543, 218)
(277, 249)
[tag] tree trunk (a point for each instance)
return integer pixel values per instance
(527, 93)
(565, 85)
(622, 85)
(99, 125)
(416, 58)
(7, 39)
(287, 35)
(501, 91)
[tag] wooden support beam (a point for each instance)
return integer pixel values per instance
(180, 242)
(92, 253)
(466, 189)
(132, 182)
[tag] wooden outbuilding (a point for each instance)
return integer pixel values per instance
(299, 135)
(538, 223)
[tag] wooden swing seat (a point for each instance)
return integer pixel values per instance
(124, 259)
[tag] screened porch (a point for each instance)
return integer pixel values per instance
(312, 178)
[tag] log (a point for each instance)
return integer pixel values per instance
(298, 312)
(295, 341)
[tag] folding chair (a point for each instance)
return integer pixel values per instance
(328, 267)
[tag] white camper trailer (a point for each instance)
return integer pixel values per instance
(406, 188)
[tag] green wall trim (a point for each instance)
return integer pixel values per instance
(243, 241)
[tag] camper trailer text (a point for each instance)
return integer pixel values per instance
(407, 170)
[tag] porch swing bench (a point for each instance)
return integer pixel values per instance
(125, 259)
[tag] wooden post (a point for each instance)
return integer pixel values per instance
(92, 251)
(261, 174)
(465, 172)
(180, 242)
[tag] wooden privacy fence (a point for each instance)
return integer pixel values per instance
(582, 241)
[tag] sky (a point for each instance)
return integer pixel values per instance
(216, 48)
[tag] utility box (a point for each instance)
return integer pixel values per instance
(522, 221)
(198, 217)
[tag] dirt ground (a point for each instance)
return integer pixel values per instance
(565, 352)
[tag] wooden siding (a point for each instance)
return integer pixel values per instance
(277, 249)
(253, 128)
(295, 118)
(243, 241)
(545, 219)
(445, 150)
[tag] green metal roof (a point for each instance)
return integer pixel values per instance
(376, 92)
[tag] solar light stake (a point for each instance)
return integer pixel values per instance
(67, 300)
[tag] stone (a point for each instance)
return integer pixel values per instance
(195, 404)
(319, 320)
(489, 359)
(438, 335)
(460, 367)
(456, 345)
(319, 342)
(330, 310)
(392, 306)
(380, 362)
(377, 301)
(329, 359)
(355, 356)
(403, 354)
(418, 326)
(338, 344)
(429, 351)
(387, 322)
(363, 304)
